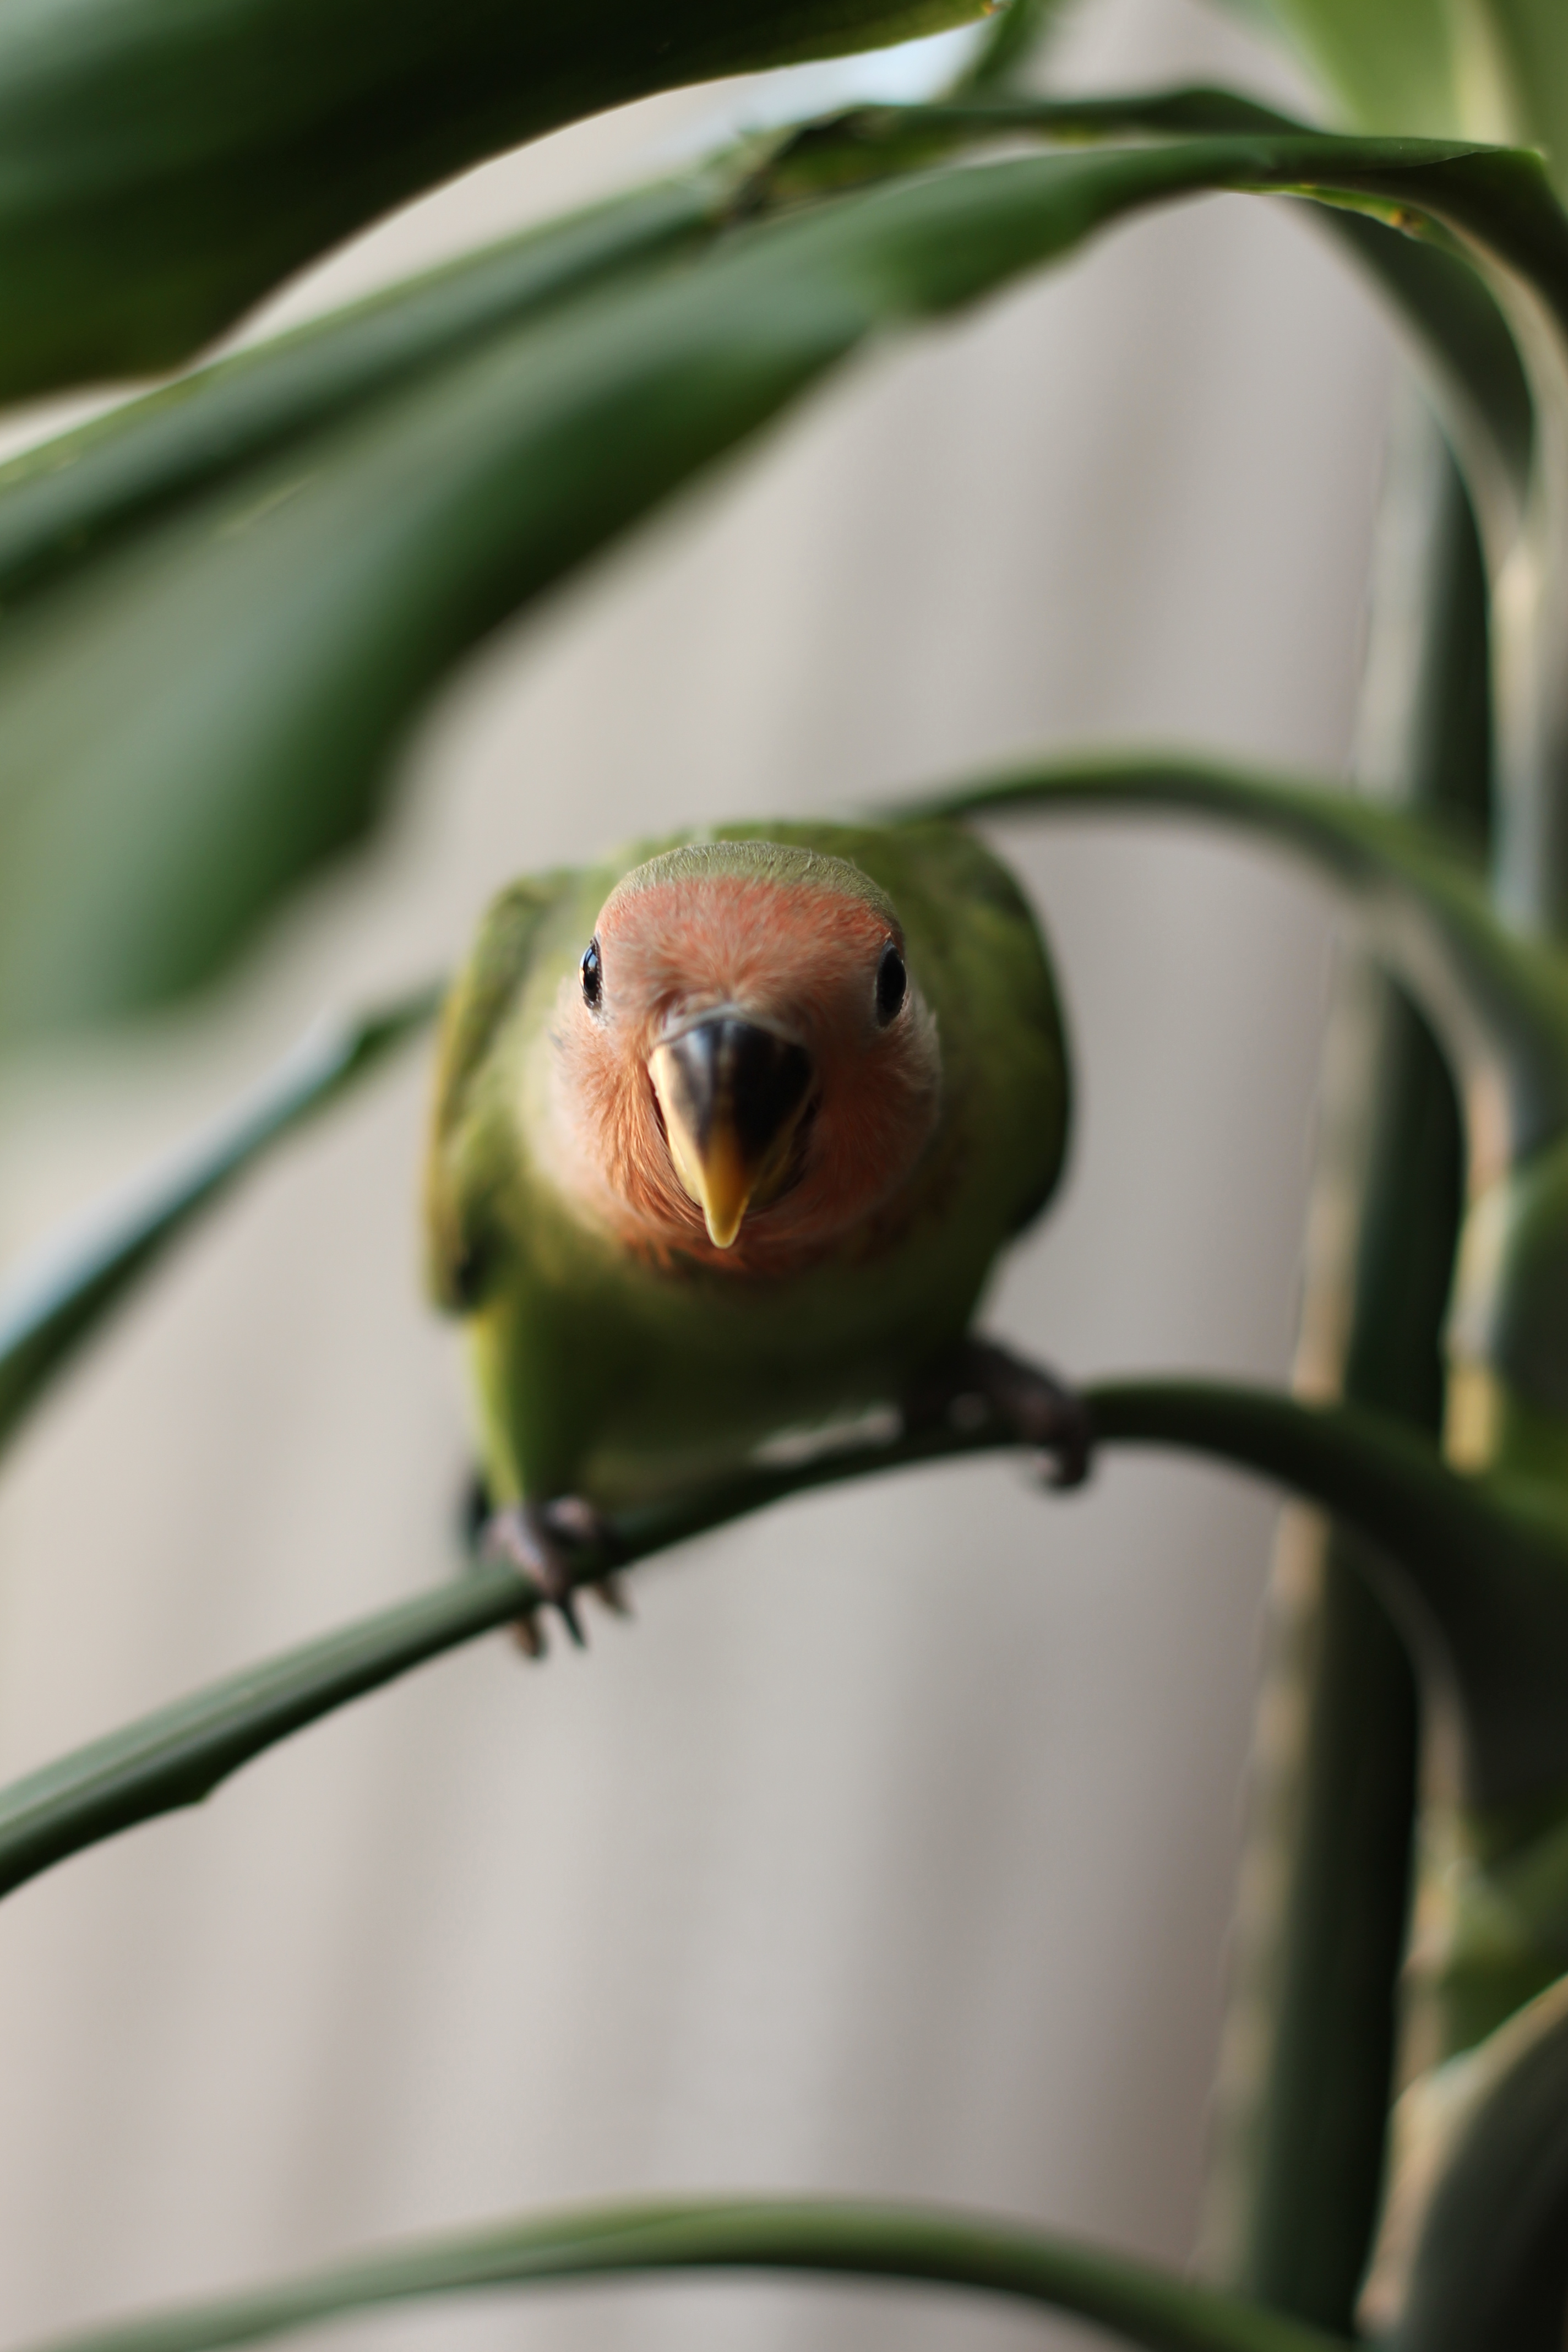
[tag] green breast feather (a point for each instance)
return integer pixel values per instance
(604, 1373)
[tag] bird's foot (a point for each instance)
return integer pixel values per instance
(979, 1380)
(547, 1542)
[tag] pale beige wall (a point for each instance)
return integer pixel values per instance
(891, 1850)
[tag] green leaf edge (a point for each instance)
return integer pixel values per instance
(52, 1305)
(929, 2245)
(135, 226)
(1497, 997)
(1432, 282)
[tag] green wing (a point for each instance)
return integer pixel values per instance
(462, 1190)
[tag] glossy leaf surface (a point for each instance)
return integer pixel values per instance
(164, 166)
(1136, 2302)
(316, 599)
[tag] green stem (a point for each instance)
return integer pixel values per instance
(1132, 2300)
(53, 1303)
(1488, 1568)
(1010, 48)
(1307, 2063)
(1498, 1001)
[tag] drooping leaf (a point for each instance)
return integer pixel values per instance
(1500, 1000)
(164, 166)
(64, 500)
(148, 813)
(1488, 1564)
(1422, 65)
(1133, 2300)
(1444, 301)
(50, 1305)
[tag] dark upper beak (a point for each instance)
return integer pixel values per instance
(731, 1093)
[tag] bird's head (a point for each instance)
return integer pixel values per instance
(744, 1064)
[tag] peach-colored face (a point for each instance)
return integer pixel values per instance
(816, 970)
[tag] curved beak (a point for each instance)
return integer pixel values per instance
(731, 1094)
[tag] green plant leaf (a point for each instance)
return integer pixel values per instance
(1488, 1564)
(1013, 40)
(1498, 1000)
(1422, 66)
(57, 1301)
(1532, 36)
(63, 501)
(1490, 2264)
(1133, 2300)
(315, 600)
(1443, 300)
(165, 166)
(1392, 63)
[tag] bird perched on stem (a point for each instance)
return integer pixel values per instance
(728, 1135)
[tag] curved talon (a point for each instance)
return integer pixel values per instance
(981, 1380)
(539, 1538)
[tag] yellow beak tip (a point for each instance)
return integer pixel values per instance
(723, 1226)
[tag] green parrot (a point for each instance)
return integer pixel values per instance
(728, 1134)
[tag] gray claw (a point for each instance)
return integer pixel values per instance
(539, 1538)
(982, 1379)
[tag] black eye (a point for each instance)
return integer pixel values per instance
(593, 974)
(892, 982)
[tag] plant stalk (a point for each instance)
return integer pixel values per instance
(1308, 2046)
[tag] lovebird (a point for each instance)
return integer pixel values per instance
(728, 1134)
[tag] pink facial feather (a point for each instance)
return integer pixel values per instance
(798, 958)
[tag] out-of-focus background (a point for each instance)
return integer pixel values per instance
(892, 1849)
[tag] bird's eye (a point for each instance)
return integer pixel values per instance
(593, 974)
(892, 980)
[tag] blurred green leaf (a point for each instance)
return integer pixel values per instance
(1393, 64)
(1495, 66)
(164, 166)
(1490, 2264)
(1533, 39)
(1440, 296)
(1019, 32)
(201, 717)
(833, 2238)
(1498, 998)
(60, 1298)
(62, 501)
(1487, 1563)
